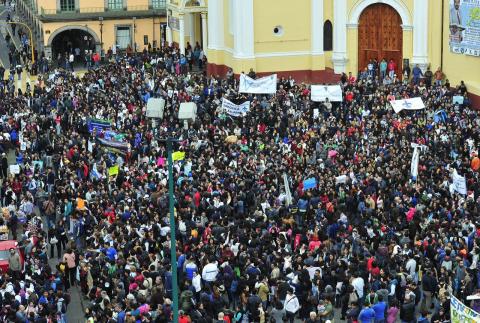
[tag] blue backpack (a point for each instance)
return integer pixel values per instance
(234, 286)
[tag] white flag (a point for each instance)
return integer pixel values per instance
(416, 158)
(264, 85)
(414, 163)
(408, 104)
(235, 109)
(459, 183)
(287, 189)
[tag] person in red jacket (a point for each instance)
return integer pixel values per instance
(392, 66)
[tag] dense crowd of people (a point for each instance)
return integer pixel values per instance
(368, 243)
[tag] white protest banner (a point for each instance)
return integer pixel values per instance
(407, 104)
(264, 85)
(342, 179)
(414, 163)
(235, 109)
(319, 93)
(459, 183)
(14, 169)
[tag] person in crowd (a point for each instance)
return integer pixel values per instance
(253, 242)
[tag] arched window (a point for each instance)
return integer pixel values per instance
(327, 36)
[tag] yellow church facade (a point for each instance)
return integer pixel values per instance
(315, 40)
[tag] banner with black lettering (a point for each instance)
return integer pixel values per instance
(264, 85)
(235, 110)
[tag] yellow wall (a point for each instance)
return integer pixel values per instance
(295, 23)
(144, 27)
(407, 49)
(328, 10)
(49, 4)
(352, 51)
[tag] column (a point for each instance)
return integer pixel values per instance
(169, 36)
(339, 56)
(191, 22)
(204, 32)
(215, 25)
(181, 39)
(420, 34)
(169, 31)
(243, 29)
(317, 27)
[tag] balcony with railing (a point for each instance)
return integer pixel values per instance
(155, 8)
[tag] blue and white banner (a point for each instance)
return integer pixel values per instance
(407, 104)
(264, 85)
(440, 116)
(235, 110)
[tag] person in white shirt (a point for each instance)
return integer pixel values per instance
(358, 284)
(411, 266)
(197, 282)
(210, 272)
(291, 305)
(71, 61)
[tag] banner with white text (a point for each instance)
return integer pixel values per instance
(465, 27)
(235, 110)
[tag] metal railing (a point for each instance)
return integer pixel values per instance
(156, 6)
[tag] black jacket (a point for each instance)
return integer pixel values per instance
(407, 311)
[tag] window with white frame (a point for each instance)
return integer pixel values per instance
(115, 4)
(123, 37)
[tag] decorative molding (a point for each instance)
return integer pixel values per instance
(285, 54)
(272, 54)
(317, 53)
(398, 5)
(352, 26)
(407, 27)
(71, 27)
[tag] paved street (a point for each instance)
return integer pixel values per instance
(3, 44)
(75, 312)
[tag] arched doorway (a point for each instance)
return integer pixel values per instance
(67, 41)
(380, 35)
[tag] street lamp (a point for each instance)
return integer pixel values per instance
(31, 36)
(173, 240)
(101, 30)
(134, 31)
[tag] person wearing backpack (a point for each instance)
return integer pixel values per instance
(69, 258)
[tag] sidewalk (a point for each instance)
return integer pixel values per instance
(4, 48)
